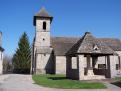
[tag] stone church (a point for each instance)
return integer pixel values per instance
(81, 58)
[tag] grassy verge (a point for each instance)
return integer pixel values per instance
(60, 81)
(118, 79)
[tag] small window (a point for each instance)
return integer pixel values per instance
(44, 25)
(95, 47)
(101, 66)
(43, 39)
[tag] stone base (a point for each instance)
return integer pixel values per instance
(40, 71)
(94, 77)
(90, 72)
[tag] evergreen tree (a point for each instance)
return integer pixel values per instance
(22, 57)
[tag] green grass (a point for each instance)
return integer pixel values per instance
(60, 81)
(118, 79)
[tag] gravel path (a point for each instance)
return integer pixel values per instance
(17, 82)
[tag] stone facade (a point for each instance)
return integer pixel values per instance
(1, 62)
(60, 65)
(1, 54)
(42, 38)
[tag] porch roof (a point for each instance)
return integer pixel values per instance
(90, 45)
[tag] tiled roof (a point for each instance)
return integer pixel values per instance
(90, 45)
(114, 43)
(62, 44)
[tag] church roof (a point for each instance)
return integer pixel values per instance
(90, 45)
(62, 44)
(43, 13)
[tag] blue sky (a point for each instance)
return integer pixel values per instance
(71, 18)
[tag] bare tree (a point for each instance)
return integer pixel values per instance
(7, 64)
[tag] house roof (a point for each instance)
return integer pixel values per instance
(62, 44)
(90, 45)
(42, 14)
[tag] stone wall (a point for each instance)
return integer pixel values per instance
(45, 63)
(1, 62)
(119, 71)
(60, 65)
(39, 24)
(72, 66)
(42, 37)
(82, 65)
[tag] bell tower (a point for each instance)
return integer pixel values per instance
(42, 22)
(42, 51)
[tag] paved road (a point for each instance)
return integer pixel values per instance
(16, 82)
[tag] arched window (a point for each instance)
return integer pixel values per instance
(44, 25)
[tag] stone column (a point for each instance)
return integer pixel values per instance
(88, 62)
(68, 66)
(111, 66)
(81, 60)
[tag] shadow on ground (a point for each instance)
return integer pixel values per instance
(57, 78)
(117, 84)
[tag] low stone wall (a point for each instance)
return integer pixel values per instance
(99, 71)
